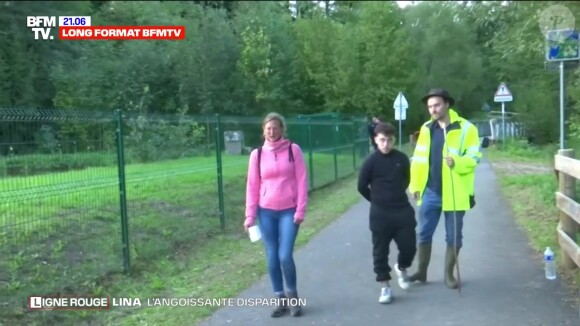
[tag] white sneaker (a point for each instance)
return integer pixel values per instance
(402, 277)
(385, 295)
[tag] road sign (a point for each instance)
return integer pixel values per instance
(400, 105)
(556, 17)
(562, 45)
(400, 114)
(400, 102)
(503, 94)
(554, 66)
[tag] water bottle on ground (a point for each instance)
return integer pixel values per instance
(550, 264)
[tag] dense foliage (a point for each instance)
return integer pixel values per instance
(247, 58)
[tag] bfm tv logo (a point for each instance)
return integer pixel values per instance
(45, 21)
(43, 25)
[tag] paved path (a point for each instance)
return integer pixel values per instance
(503, 282)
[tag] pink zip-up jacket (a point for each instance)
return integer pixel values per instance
(283, 185)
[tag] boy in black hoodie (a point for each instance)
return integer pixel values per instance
(383, 181)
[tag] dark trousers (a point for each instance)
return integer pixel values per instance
(392, 224)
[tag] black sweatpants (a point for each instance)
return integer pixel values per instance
(392, 224)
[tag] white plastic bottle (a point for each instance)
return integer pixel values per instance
(550, 264)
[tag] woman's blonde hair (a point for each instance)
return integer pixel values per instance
(275, 116)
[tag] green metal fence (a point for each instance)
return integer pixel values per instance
(83, 194)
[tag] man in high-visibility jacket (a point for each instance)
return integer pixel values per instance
(442, 179)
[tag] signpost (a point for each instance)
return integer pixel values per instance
(401, 105)
(562, 45)
(503, 95)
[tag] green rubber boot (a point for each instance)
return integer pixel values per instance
(424, 256)
(450, 261)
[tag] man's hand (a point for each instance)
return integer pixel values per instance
(416, 195)
(449, 161)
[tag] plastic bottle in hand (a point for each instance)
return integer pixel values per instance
(550, 264)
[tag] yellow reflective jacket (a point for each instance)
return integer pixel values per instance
(464, 146)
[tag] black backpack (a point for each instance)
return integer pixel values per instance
(290, 157)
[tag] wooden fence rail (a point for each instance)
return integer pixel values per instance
(568, 170)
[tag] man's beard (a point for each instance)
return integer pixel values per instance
(438, 116)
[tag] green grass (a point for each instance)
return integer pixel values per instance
(225, 266)
(61, 232)
(521, 151)
(532, 196)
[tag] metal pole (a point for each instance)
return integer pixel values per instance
(335, 149)
(354, 142)
(503, 122)
(561, 104)
(400, 123)
(123, 193)
(220, 174)
(310, 154)
(454, 215)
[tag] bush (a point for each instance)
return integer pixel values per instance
(26, 165)
(149, 139)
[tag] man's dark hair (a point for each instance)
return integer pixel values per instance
(386, 129)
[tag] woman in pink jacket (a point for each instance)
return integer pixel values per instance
(277, 195)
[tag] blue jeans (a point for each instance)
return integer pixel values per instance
(279, 235)
(429, 214)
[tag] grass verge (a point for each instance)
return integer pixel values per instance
(521, 151)
(222, 267)
(60, 233)
(528, 182)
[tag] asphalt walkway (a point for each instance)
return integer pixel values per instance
(502, 278)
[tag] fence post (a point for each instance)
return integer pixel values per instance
(335, 149)
(310, 154)
(354, 141)
(567, 187)
(122, 192)
(220, 181)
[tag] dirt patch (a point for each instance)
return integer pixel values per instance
(521, 168)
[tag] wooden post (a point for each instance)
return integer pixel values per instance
(567, 186)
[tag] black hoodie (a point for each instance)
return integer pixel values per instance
(388, 176)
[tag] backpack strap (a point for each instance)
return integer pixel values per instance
(290, 153)
(259, 161)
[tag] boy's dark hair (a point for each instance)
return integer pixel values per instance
(386, 129)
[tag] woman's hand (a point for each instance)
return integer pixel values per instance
(248, 223)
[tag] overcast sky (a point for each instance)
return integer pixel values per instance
(403, 4)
